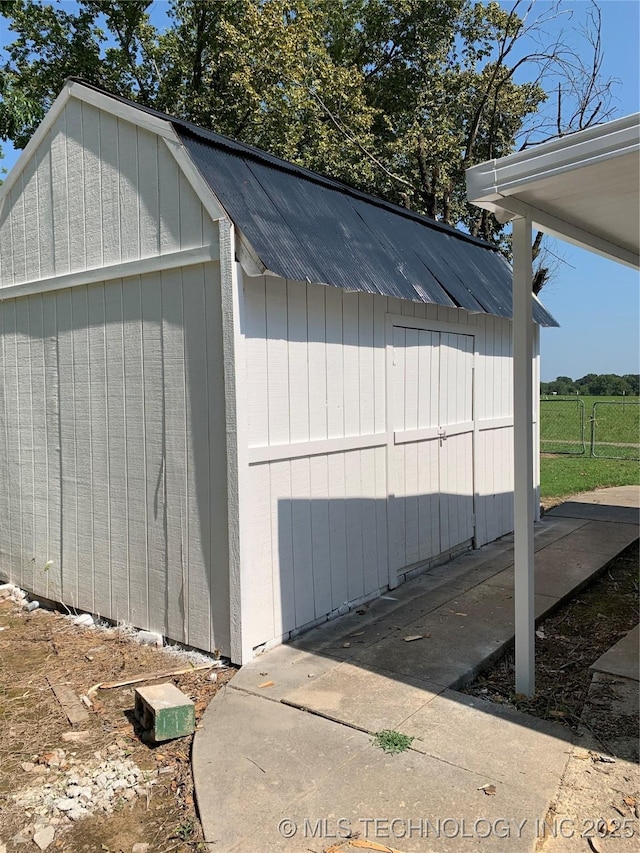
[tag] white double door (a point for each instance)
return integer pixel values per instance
(431, 444)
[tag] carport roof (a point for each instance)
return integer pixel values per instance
(582, 188)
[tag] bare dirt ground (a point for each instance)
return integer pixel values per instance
(567, 643)
(597, 805)
(158, 810)
(41, 647)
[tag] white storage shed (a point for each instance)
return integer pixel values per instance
(236, 397)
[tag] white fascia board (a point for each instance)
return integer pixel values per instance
(73, 89)
(247, 256)
(121, 110)
(29, 150)
(201, 188)
(492, 180)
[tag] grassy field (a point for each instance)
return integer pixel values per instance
(567, 466)
(561, 476)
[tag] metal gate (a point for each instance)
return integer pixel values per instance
(615, 430)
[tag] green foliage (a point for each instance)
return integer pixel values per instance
(594, 385)
(398, 97)
(391, 741)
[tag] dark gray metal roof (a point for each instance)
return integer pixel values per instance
(307, 227)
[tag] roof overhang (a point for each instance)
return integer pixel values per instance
(583, 188)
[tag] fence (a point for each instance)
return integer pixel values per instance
(615, 430)
(562, 426)
(613, 433)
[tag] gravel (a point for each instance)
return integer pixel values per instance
(82, 788)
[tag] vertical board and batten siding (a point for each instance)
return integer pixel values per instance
(316, 373)
(494, 438)
(113, 492)
(97, 191)
(112, 480)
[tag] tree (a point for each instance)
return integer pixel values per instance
(594, 385)
(398, 97)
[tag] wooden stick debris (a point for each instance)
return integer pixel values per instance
(145, 676)
(69, 702)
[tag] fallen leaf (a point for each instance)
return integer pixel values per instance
(540, 634)
(266, 684)
(346, 645)
(489, 790)
(558, 713)
(359, 634)
(412, 637)
(629, 801)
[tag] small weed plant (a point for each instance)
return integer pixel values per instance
(391, 741)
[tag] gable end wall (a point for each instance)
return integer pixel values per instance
(98, 191)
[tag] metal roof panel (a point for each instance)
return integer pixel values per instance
(308, 228)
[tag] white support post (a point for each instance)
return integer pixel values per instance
(523, 457)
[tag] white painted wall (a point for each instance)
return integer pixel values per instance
(97, 191)
(317, 435)
(112, 460)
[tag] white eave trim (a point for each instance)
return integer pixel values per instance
(497, 178)
(494, 185)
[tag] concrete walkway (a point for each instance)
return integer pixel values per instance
(292, 767)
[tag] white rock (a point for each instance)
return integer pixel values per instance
(150, 638)
(43, 837)
(64, 804)
(77, 812)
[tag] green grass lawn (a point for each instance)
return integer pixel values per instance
(561, 476)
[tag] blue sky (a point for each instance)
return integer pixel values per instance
(597, 302)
